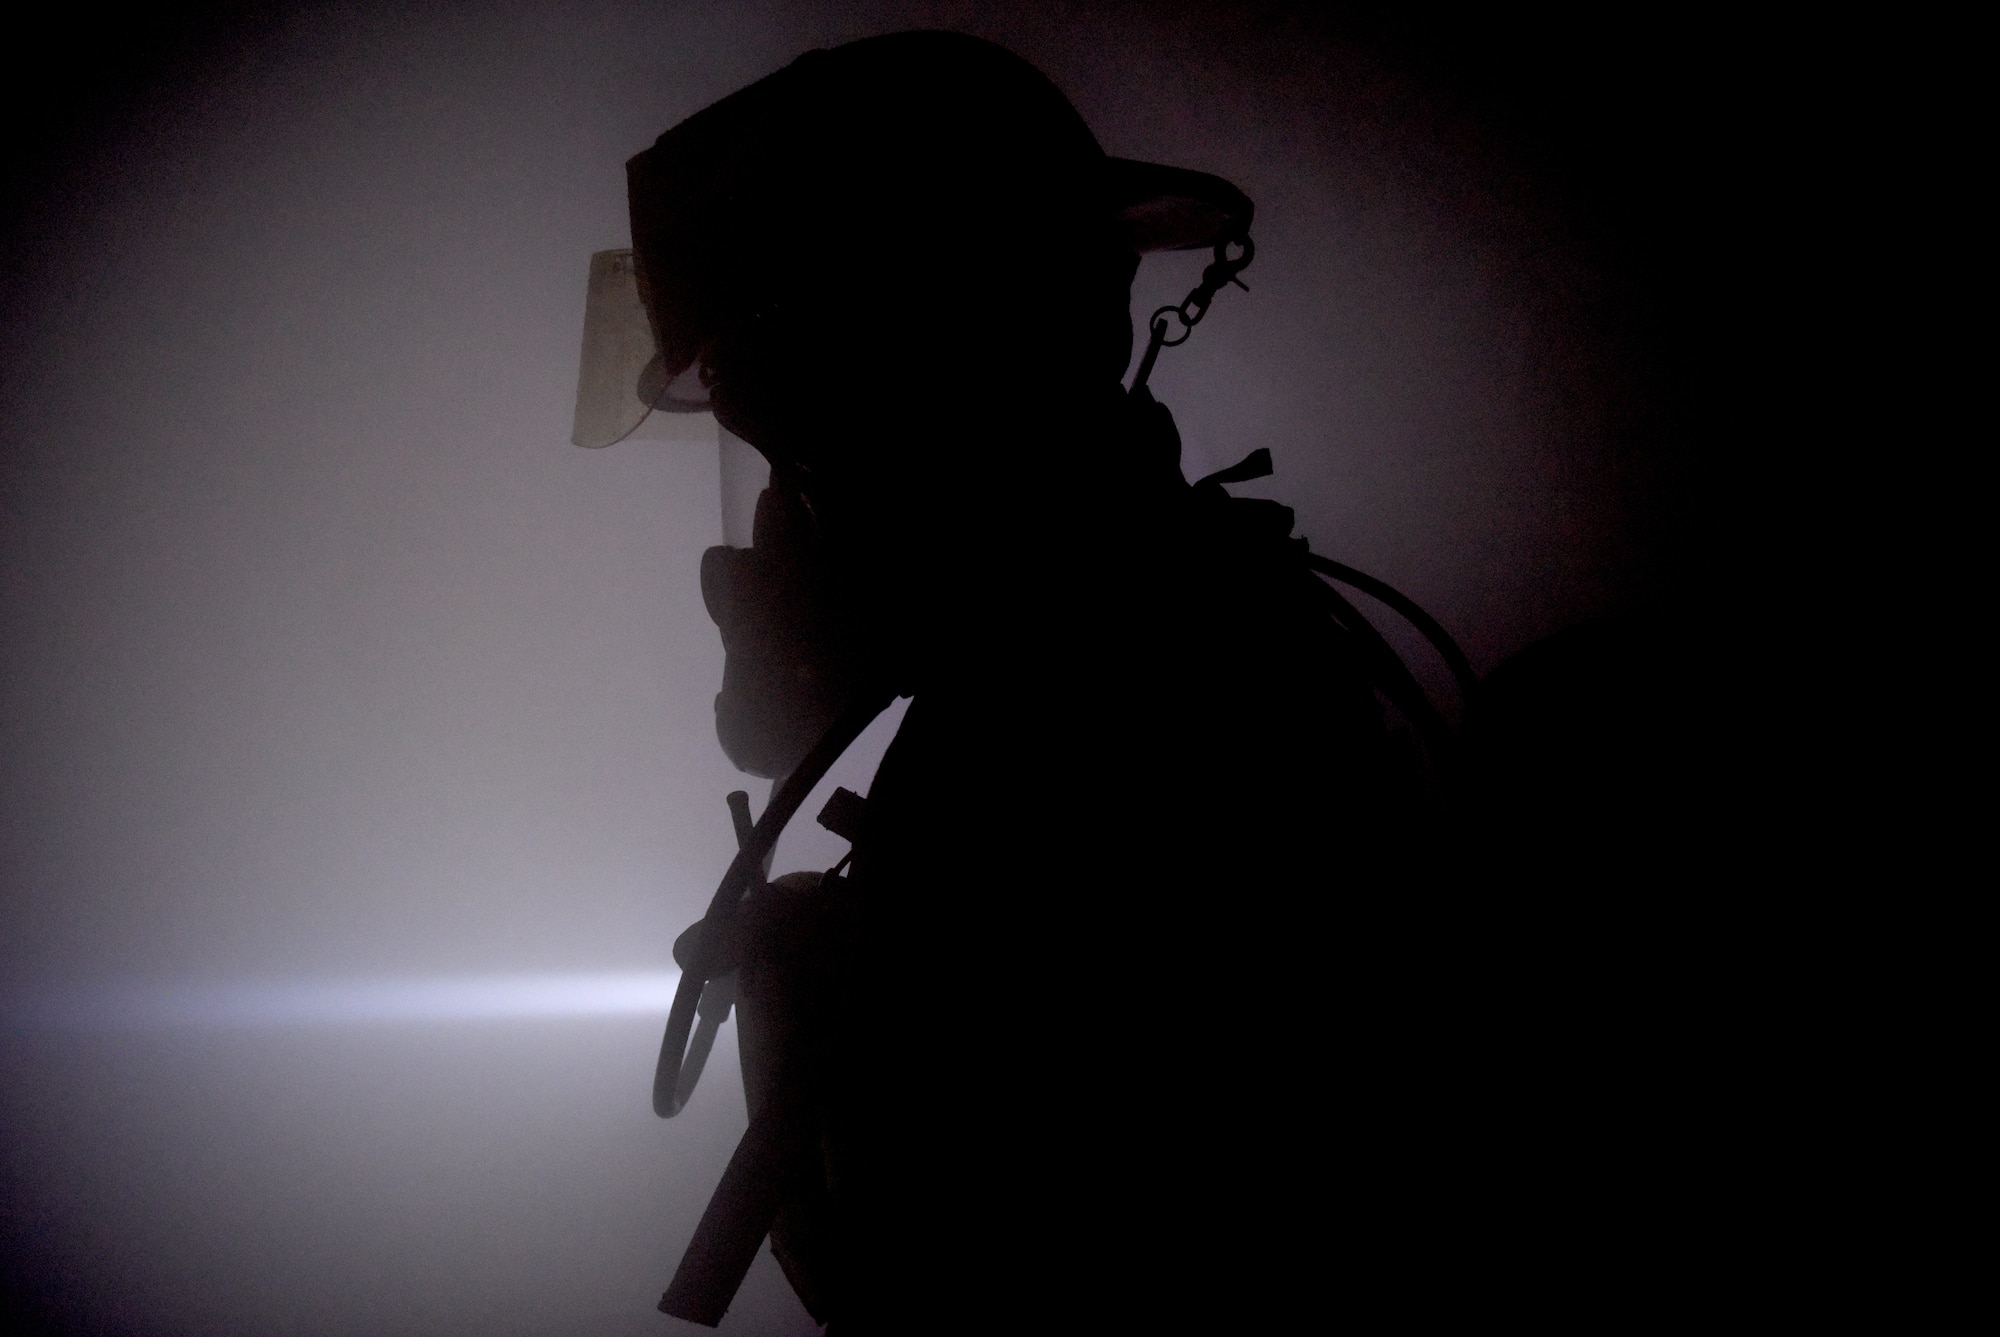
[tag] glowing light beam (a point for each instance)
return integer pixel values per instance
(335, 1002)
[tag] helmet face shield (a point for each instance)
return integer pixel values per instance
(616, 390)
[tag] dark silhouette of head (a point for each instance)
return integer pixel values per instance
(885, 260)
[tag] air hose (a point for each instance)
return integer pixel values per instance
(715, 927)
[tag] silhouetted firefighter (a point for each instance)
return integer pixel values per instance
(1136, 1007)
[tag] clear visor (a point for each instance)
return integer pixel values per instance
(621, 394)
(621, 391)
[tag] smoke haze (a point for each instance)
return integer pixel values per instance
(330, 666)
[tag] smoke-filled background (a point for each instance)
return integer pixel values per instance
(356, 753)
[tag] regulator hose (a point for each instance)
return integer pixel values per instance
(714, 927)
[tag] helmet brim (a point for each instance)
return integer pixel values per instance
(1163, 208)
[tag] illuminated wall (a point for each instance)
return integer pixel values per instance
(338, 687)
